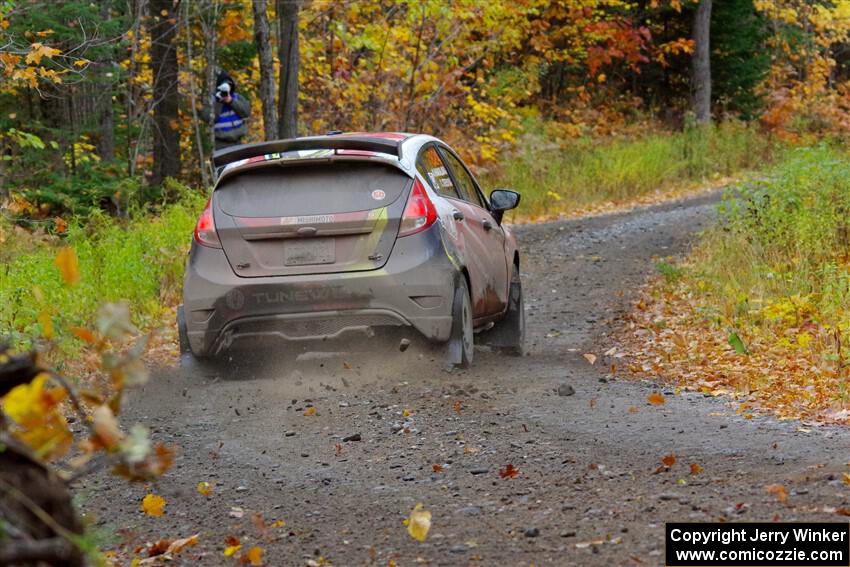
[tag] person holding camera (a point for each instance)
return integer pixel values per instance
(231, 111)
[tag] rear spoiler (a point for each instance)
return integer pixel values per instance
(371, 144)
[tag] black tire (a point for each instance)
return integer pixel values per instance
(508, 335)
(461, 343)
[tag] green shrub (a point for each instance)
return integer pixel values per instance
(785, 240)
(139, 259)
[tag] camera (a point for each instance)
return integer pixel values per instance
(222, 91)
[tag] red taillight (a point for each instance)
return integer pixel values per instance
(205, 233)
(419, 213)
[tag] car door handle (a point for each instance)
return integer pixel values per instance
(457, 215)
(486, 224)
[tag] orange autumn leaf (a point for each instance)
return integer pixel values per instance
(205, 488)
(696, 469)
(457, 406)
(777, 490)
(437, 468)
(84, 334)
(509, 471)
(310, 411)
(655, 399)
(669, 460)
(153, 505)
(591, 358)
(253, 556)
(66, 261)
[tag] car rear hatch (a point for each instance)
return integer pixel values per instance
(310, 218)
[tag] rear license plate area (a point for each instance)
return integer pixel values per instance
(309, 251)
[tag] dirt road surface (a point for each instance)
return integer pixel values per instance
(586, 446)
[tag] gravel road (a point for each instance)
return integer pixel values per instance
(587, 447)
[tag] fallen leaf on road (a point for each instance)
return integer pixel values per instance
(842, 512)
(509, 471)
(777, 490)
(233, 545)
(205, 488)
(591, 358)
(437, 468)
(310, 411)
(346, 365)
(457, 406)
(669, 460)
(633, 409)
(167, 547)
(277, 524)
(406, 413)
(846, 478)
(419, 523)
(253, 556)
(696, 469)
(152, 505)
(338, 448)
(655, 399)
(259, 523)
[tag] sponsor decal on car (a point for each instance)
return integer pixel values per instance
(309, 219)
(379, 195)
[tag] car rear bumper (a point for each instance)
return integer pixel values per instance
(414, 288)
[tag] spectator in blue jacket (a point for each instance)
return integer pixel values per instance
(231, 112)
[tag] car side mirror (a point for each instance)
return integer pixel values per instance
(502, 200)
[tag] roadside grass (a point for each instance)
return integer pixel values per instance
(139, 260)
(560, 178)
(761, 308)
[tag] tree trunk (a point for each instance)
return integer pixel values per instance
(209, 11)
(166, 135)
(701, 64)
(193, 99)
(289, 56)
(106, 146)
(262, 36)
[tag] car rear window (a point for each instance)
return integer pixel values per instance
(325, 188)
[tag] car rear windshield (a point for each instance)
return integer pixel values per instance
(309, 189)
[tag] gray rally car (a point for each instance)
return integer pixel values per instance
(312, 238)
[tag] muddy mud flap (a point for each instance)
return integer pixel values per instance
(508, 335)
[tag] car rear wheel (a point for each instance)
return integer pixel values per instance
(461, 343)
